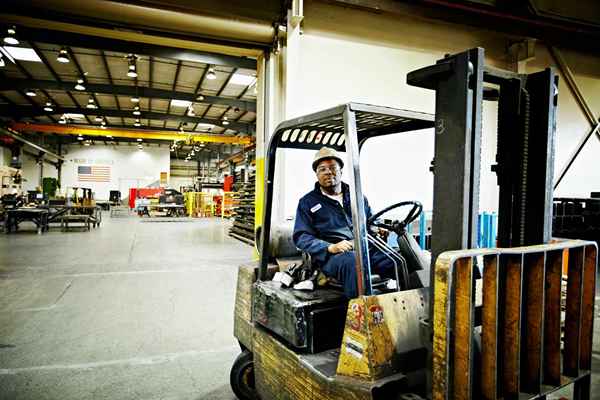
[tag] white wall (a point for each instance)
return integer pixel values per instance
(129, 167)
(353, 55)
(350, 55)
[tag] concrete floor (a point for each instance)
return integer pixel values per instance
(128, 311)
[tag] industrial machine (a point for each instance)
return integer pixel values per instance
(487, 323)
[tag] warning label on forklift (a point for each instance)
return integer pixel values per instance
(354, 348)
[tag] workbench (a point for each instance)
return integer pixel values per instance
(59, 212)
(39, 216)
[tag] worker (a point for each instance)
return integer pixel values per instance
(323, 226)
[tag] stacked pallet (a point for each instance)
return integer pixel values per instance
(243, 212)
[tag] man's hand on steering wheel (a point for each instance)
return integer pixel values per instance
(396, 226)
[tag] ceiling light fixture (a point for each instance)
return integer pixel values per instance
(79, 137)
(2, 63)
(10, 38)
(186, 160)
(137, 123)
(136, 110)
(103, 123)
(225, 121)
(132, 68)
(79, 85)
(172, 149)
(98, 118)
(63, 56)
(200, 97)
(48, 107)
(86, 143)
(91, 103)
(139, 139)
(135, 99)
(191, 112)
(104, 127)
(30, 92)
(211, 74)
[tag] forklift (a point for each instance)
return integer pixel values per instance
(473, 323)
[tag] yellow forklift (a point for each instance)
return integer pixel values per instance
(473, 323)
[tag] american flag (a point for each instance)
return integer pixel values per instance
(92, 173)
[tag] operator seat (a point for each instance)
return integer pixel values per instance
(418, 261)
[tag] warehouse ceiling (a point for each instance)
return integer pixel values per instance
(50, 82)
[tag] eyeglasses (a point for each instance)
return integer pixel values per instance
(333, 169)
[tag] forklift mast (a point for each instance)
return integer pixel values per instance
(508, 343)
(525, 153)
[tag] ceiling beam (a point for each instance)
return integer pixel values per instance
(129, 133)
(174, 87)
(27, 111)
(110, 80)
(124, 90)
(124, 46)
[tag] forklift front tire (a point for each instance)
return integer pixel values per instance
(241, 377)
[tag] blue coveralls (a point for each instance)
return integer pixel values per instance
(321, 221)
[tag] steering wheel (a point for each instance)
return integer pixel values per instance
(413, 214)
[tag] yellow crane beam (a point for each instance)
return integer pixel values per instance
(131, 133)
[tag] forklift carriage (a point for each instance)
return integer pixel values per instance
(485, 323)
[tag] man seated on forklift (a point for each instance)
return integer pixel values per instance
(323, 226)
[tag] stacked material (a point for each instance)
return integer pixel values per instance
(243, 212)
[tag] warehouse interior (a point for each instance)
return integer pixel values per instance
(155, 157)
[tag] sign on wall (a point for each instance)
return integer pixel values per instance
(93, 173)
(164, 178)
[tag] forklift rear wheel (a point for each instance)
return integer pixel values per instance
(241, 377)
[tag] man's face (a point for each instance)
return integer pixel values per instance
(329, 173)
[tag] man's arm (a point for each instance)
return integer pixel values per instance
(305, 237)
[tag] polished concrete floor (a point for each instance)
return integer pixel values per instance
(131, 310)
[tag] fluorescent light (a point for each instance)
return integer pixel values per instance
(30, 92)
(104, 127)
(137, 123)
(2, 63)
(79, 137)
(180, 103)
(48, 107)
(225, 121)
(139, 139)
(135, 99)
(205, 126)
(199, 97)
(241, 79)
(98, 118)
(22, 53)
(75, 116)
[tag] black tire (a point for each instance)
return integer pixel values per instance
(241, 377)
